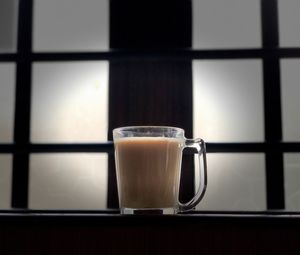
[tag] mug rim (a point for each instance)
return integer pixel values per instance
(118, 129)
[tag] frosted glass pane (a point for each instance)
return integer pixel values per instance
(228, 100)
(68, 181)
(226, 23)
(290, 89)
(70, 25)
(292, 181)
(8, 25)
(289, 23)
(7, 102)
(70, 102)
(235, 182)
(5, 181)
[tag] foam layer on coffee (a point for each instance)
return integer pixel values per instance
(148, 171)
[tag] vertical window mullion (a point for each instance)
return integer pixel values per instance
(22, 109)
(272, 106)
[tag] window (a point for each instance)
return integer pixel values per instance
(68, 181)
(7, 91)
(219, 24)
(70, 72)
(291, 174)
(5, 180)
(236, 183)
(290, 103)
(289, 23)
(64, 25)
(69, 102)
(228, 100)
(8, 25)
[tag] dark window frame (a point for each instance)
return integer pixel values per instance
(270, 54)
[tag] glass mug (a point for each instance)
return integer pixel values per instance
(148, 166)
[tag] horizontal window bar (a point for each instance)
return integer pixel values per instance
(101, 147)
(186, 54)
(155, 54)
(109, 148)
(6, 57)
(7, 148)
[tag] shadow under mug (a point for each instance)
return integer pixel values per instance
(148, 166)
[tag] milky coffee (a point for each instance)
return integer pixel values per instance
(148, 171)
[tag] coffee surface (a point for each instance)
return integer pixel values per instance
(148, 171)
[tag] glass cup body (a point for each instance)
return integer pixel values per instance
(148, 166)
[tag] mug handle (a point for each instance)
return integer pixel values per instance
(199, 145)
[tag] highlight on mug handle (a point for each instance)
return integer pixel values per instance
(199, 145)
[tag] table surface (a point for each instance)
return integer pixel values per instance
(114, 216)
(107, 232)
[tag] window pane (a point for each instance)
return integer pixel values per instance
(226, 24)
(68, 181)
(235, 182)
(8, 25)
(5, 181)
(290, 89)
(292, 181)
(289, 23)
(7, 101)
(228, 100)
(70, 25)
(69, 102)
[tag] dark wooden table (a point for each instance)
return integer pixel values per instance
(107, 232)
